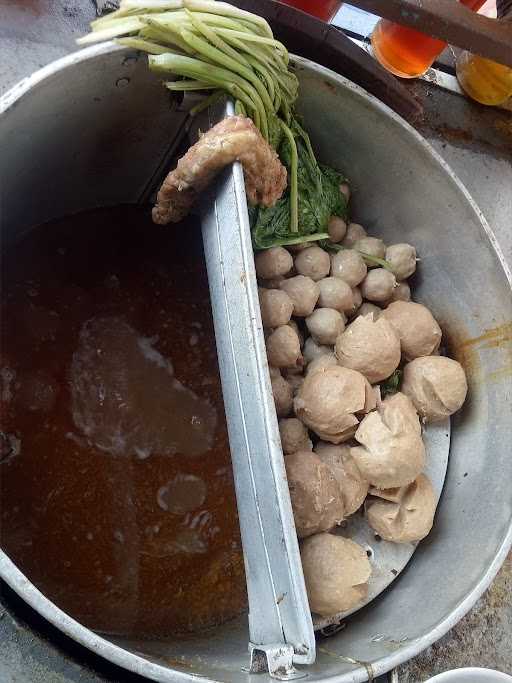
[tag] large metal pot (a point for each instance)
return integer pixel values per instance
(86, 130)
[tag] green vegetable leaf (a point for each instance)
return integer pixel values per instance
(331, 188)
(270, 225)
(213, 46)
(319, 197)
(392, 384)
(275, 132)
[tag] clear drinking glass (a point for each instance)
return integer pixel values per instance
(406, 52)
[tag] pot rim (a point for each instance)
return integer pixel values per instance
(139, 664)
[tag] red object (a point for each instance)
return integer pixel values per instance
(322, 9)
(406, 52)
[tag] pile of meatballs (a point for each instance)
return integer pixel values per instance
(336, 329)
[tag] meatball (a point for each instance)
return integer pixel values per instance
(353, 487)
(354, 232)
(326, 360)
(274, 372)
(315, 494)
(345, 190)
(294, 380)
(400, 414)
(276, 307)
(349, 266)
(335, 293)
(371, 347)
(402, 292)
(314, 262)
(357, 302)
(296, 248)
(273, 263)
(312, 350)
(328, 400)
(378, 285)
(283, 394)
(304, 293)
(372, 397)
(337, 229)
(419, 333)
(402, 258)
(295, 327)
(283, 348)
(372, 246)
(324, 325)
(294, 436)
(336, 573)
(369, 309)
(275, 283)
(405, 516)
(436, 385)
(391, 452)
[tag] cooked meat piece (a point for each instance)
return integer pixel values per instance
(234, 139)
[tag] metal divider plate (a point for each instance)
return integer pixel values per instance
(279, 613)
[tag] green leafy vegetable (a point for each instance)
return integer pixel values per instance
(318, 198)
(392, 384)
(213, 46)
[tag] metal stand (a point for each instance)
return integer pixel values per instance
(277, 660)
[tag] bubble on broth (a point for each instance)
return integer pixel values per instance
(10, 446)
(142, 453)
(79, 440)
(112, 282)
(119, 536)
(185, 542)
(37, 391)
(146, 346)
(7, 377)
(183, 494)
(125, 399)
(201, 520)
(41, 323)
(188, 542)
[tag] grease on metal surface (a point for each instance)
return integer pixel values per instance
(467, 350)
(492, 338)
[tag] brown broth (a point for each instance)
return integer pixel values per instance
(117, 495)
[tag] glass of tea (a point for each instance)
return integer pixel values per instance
(322, 9)
(406, 52)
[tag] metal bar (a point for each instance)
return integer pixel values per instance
(279, 616)
(450, 21)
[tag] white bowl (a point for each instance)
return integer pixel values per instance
(471, 675)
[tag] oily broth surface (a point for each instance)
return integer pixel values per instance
(117, 497)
